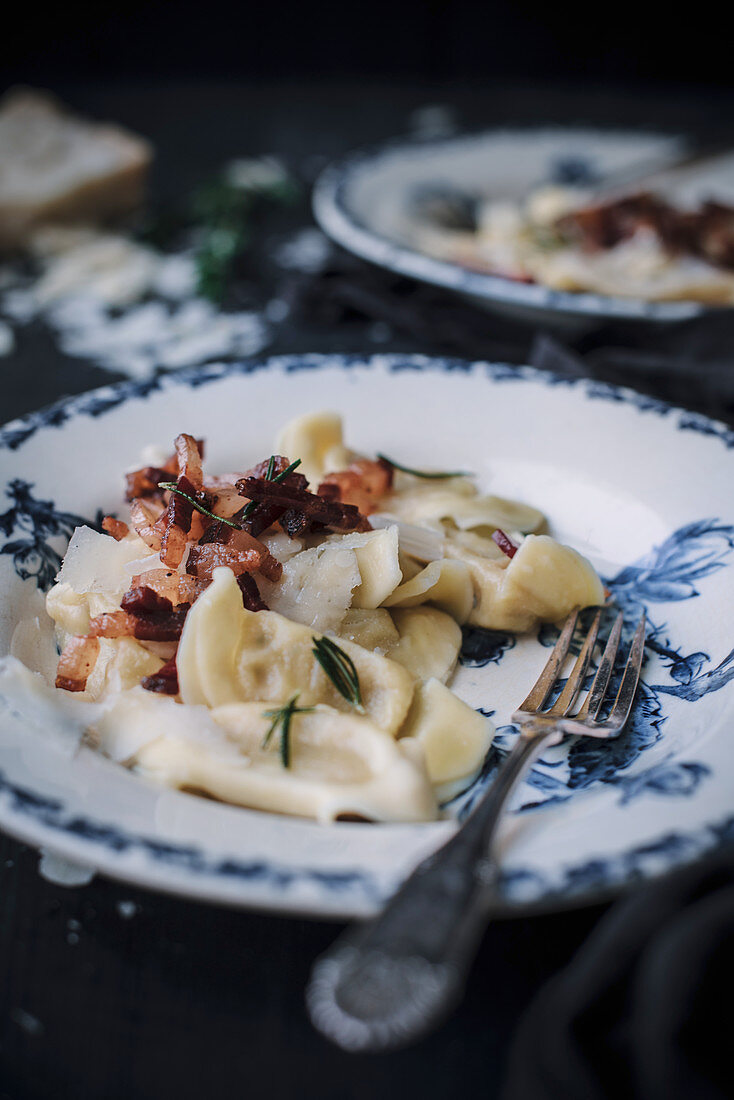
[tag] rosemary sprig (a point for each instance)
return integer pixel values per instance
(224, 215)
(281, 717)
(250, 508)
(173, 488)
(339, 667)
(438, 475)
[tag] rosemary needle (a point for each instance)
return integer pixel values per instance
(339, 667)
(281, 716)
(438, 475)
(173, 488)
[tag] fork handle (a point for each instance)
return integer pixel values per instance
(391, 979)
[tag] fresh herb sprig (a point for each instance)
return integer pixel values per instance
(281, 719)
(224, 214)
(173, 488)
(339, 667)
(430, 475)
(250, 508)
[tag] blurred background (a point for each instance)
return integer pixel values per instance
(207, 83)
(427, 40)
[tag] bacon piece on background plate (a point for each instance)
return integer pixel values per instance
(267, 513)
(77, 660)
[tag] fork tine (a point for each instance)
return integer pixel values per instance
(549, 675)
(628, 687)
(595, 698)
(566, 699)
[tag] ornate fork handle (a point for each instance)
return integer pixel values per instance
(394, 977)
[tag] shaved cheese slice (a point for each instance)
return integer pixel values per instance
(377, 558)
(447, 584)
(96, 563)
(316, 586)
(543, 582)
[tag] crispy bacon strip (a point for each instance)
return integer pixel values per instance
(327, 513)
(294, 522)
(266, 514)
(164, 681)
(189, 453)
(77, 660)
(361, 484)
(115, 527)
(143, 600)
(505, 543)
(251, 598)
(181, 521)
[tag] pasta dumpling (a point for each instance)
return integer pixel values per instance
(459, 504)
(340, 764)
(429, 642)
(454, 737)
(543, 582)
(228, 654)
(317, 439)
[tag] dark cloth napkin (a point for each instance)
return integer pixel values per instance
(644, 1010)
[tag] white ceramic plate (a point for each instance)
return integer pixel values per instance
(364, 203)
(644, 489)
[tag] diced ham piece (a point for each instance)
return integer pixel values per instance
(115, 527)
(505, 543)
(146, 519)
(189, 452)
(361, 484)
(237, 550)
(251, 598)
(164, 681)
(77, 660)
(143, 615)
(176, 587)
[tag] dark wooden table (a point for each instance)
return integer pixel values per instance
(100, 998)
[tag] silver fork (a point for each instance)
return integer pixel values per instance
(392, 979)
